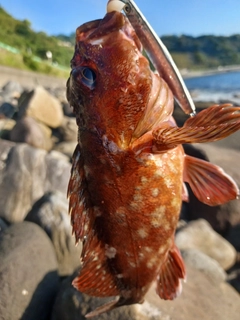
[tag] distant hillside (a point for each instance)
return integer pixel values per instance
(205, 51)
(188, 52)
(19, 35)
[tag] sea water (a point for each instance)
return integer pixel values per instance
(221, 87)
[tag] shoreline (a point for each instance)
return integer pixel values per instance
(186, 74)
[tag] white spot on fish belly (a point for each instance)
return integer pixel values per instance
(110, 252)
(168, 182)
(144, 179)
(132, 264)
(142, 233)
(151, 262)
(172, 167)
(148, 249)
(134, 205)
(161, 250)
(175, 203)
(155, 192)
(137, 197)
(157, 217)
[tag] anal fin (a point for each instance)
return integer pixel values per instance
(210, 184)
(168, 281)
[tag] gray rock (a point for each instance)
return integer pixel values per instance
(204, 263)
(233, 237)
(199, 235)
(26, 174)
(7, 110)
(51, 214)
(69, 129)
(28, 130)
(42, 106)
(28, 276)
(66, 148)
(200, 299)
(3, 225)
(11, 90)
(234, 277)
(71, 304)
(6, 126)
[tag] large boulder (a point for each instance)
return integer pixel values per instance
(28, 273)
(202, 298)
(199, 235)
(51, 214)
(42, 106)
(26, 174)
(36, 134)
(71, 304)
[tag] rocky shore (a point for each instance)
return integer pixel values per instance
(38, 256)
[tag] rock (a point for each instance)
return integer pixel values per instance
(3, 225)
(31, 132)
(28, 276)
(69, 129)
(66, 148)
(7, 110)
(233, 237)
(199, 235)
(51, 214)
(42, 106)
(201, 298)
(234, 277)
(6, 126)
(11, 90)
(70, 304)
(207, 265)
(68, 110)
(26, 174)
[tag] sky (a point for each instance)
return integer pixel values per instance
(169, 17)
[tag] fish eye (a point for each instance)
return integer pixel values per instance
(86, 75)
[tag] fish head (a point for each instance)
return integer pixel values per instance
(110, 81)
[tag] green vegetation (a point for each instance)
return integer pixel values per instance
(30, 44)
(204, 52)
(188, 52)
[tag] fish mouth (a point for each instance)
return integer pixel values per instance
(95, 31)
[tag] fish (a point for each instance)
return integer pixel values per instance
(129, 168)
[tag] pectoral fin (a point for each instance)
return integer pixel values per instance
(212, 124)
(210, 184)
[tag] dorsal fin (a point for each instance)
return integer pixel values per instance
(168, 281)
(210, 184)
(79, 207)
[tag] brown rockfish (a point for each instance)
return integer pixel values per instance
(129, 167)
